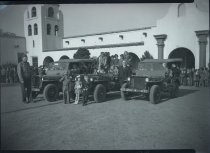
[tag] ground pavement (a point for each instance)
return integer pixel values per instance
(179, 123)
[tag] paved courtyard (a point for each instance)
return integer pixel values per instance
(180, 123)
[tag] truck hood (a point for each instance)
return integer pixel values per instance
(52, 77)
(55, 73)
(151, 74)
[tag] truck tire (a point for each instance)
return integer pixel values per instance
(99, 93)
(155, 94)
(51, 92)
(124, 94)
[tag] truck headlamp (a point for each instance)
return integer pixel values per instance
(129, 79)
(147, 79)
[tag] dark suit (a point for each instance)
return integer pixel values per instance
(124, 73)
(85, 92)
(24, 74)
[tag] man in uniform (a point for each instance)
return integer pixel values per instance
(24, 74)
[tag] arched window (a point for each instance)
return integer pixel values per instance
(35, 29)
(56, 30)
(50, 12)
(121, 37)
(101, 39)
(83, 40)
(33, 12)
(48, 29)
(29, 30)
(181, 10)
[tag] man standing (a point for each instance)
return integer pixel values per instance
(124, 72)
(24, 74)
(175, 73)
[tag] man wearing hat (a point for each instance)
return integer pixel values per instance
(24, 74)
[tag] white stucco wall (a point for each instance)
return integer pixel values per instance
(181, 30)
(111, 38)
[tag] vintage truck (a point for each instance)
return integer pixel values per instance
(152, 79)
(50, 85)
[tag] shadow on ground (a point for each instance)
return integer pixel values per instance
(166, 97)
(28, 107)
(184, 92)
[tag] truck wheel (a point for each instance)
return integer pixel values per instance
(154, 95)
(51, 92)
(99, 93)
(124, 94)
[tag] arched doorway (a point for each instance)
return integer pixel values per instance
(64, 57)
(47, 61)
(186, 55)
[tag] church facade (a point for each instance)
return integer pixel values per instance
(182, 33)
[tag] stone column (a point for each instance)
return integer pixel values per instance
(160, 43)
(202, 40)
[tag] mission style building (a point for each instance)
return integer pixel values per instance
(183, 32)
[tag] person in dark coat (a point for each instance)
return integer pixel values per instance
(24, 74)
(124, 72)
(175, 73)
(85, 90)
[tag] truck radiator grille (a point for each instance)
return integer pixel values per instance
(138, 82)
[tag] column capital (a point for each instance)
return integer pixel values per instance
(202, 35)
(160, 39)
(160, 43)
(162, 36)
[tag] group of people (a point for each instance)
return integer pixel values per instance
(9, 73)
(78, 86)
(111, 64)
(195, 77)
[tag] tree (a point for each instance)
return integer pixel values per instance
(146, 55)
(82, 53)
(133, 60)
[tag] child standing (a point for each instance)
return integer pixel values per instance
(78, 88)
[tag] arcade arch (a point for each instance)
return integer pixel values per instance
(64, 57)
(47, 61)
(186, 55)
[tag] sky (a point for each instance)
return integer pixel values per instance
(82, 19)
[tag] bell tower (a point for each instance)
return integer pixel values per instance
(43, 27)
